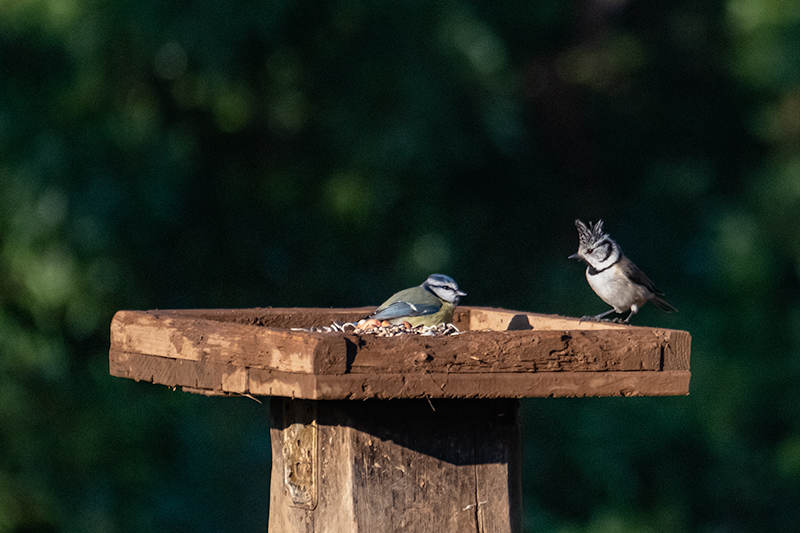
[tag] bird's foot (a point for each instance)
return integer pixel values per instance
(590, 318)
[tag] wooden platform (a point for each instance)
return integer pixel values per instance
(500, 354)
(450, 462)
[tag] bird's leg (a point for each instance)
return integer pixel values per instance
(599, 318)
(633, 312)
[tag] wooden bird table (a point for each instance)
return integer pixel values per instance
(437, 446)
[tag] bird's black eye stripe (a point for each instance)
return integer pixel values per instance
(608, 248)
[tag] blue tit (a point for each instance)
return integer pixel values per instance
(429, 304)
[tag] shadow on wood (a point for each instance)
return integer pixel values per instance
(395, 466)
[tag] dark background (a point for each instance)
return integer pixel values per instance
(158, 154)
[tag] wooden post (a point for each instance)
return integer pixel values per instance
(401, 465)
(408, 433)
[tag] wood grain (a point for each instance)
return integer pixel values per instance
(495, 385)
(505, 351)
(527, 355)
(195, 339)
(407, 465)
(481, 318)
(213, 378)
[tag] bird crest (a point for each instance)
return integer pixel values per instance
(591, 233)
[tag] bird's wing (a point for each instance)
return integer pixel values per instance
(639, 277)
(401, 309)
(636, 275)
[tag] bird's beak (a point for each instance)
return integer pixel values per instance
(574, 256)
(461, 293)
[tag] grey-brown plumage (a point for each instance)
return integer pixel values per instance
(614, 277)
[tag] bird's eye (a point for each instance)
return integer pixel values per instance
(590, 250)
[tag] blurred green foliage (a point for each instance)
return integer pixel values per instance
(278, 153)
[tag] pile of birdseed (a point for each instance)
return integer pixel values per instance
(384, 331)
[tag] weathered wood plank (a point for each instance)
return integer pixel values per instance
(178, 373)
(484, 351)
(676, 349)
(218, 378)
(272, 317)
(517, 351)
(496, 385)
(482, 318)
(195, 339)
(234, 356)
(292, 317)
(466, 318)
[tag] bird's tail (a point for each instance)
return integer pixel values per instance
(664, 305)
